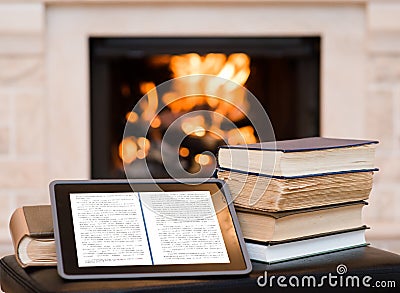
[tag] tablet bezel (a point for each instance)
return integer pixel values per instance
(65, 240)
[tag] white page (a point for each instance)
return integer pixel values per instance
(183, 228)
(109, 229)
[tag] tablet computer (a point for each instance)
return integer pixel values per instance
(146, 228)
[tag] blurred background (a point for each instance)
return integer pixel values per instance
(71, 72)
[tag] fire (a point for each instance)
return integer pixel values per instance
(244, 135)
(150, 106)
(194, 126)
(236, 68)
(156, 122)
(143, 143)
(132, 148)
(184, 97)
(184, 152)
(128, 150)
(231, 103)
(131, 117)
(203, 159)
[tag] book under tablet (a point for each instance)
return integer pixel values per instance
(115, 229)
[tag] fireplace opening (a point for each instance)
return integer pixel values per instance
(283, 73)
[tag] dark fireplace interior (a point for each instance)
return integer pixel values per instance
(283, 73)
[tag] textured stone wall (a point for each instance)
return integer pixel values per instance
(383, 115)
(22, 111)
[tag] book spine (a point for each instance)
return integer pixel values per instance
(18, 230)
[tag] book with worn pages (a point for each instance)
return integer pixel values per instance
(298, 157)
(266, 193)
(32, 234)
(278, 251)
(279, 226)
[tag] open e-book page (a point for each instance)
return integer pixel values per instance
(146, 228)
(109, 229)
(183, 228)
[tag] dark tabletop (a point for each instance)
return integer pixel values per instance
(372, 266)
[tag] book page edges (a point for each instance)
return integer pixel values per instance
(39, 251)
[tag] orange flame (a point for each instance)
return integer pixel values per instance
(236, 68)
(132, 148)
(150, 106)
(231, 102)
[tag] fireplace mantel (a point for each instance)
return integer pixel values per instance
(67, 47)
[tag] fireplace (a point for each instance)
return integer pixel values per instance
(51, 69)
(283, 73)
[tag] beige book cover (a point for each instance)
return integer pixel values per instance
(32, 234)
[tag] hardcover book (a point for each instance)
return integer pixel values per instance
(279, 226)
(298, 157)
(278, 251)
(32, 234)
(265, 193)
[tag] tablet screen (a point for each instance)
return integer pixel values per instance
(146, 228)
(139, 229)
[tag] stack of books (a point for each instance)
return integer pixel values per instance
(300, 197)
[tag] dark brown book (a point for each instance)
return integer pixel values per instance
(299, 157)
(32, 233)
(279, 226)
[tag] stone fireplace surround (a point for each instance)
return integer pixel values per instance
(44, 88)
